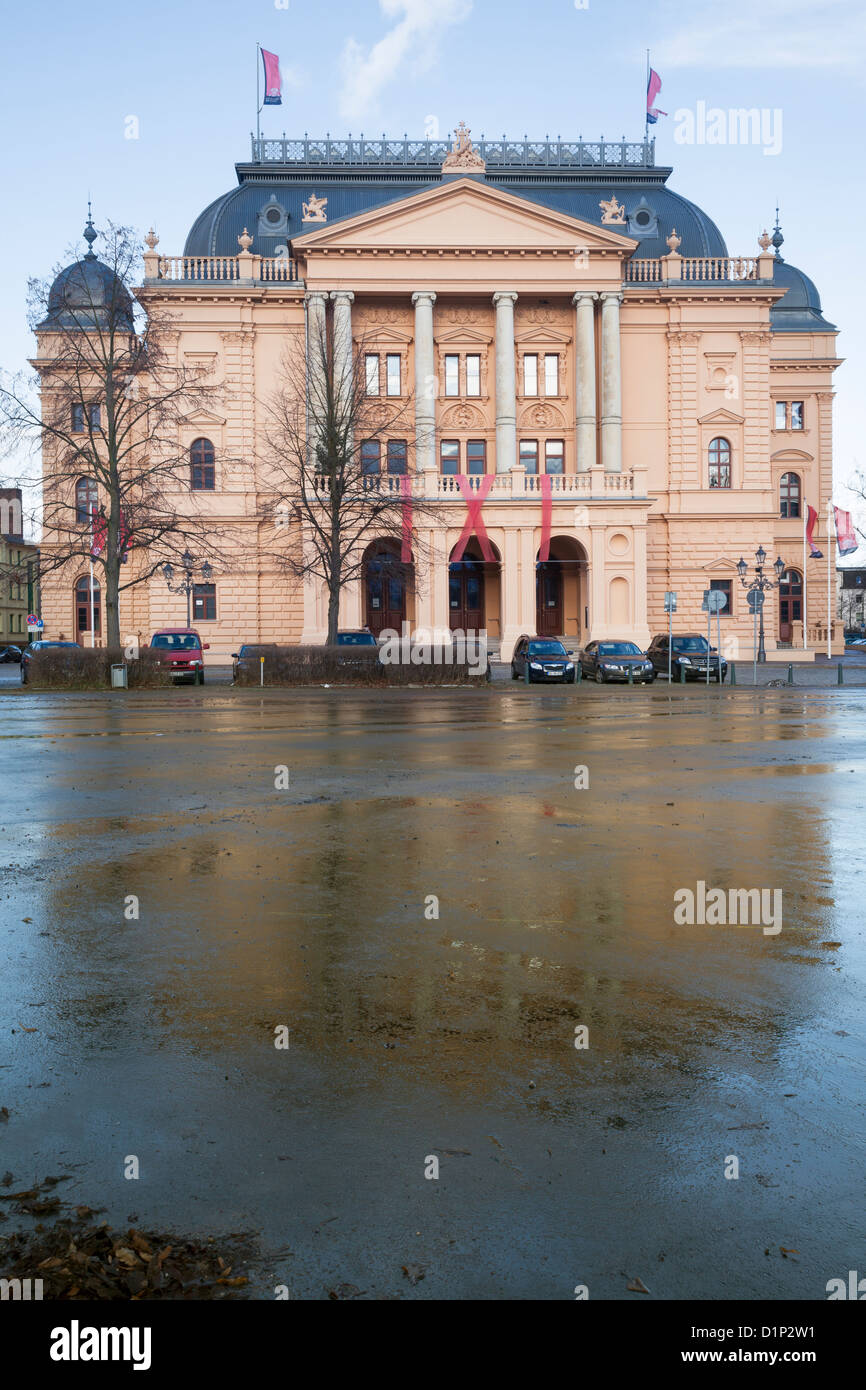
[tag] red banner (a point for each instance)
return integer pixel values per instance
(475, 499)
(811, 521)
(545, 482)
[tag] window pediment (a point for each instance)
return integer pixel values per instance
(721, 417)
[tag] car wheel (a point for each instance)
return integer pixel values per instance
(514, 675)
(650, 678)
(571, 679)
(599, 676)
(200, 677)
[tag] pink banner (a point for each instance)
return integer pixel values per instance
(545, 482)
(273, 81)
(475, 500)
(653, 87)
(846, 537)
(406, 493)
(811, 519)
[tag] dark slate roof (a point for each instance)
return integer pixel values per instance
(216, 230)
(799, 310)
(87, 294)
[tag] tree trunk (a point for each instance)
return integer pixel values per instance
(112, 600)
(333, 612)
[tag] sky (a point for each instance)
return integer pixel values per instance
(181, 80)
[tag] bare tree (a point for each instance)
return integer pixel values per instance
(107, 404)
(329, 466)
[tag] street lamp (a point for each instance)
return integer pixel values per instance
(760, 585)
(187, 584)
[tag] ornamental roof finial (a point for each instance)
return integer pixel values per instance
(90, 234)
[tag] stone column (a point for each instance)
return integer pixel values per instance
(611, 384)
(315, 302)
(506, 390)
(584, 395)
(425, 383)
(343, 300)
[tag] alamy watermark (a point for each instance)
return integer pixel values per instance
(738, 907)
(738, 125)
(422, 646)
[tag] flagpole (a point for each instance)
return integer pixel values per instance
(92, 629)
(646, 101)
(805, 605)
(830, 544)
(258, 103)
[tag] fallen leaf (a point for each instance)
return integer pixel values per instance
(414, 1272)
(636, 1285)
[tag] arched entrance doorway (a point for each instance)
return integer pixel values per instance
(560, 589)
(82, 611)
(790, 604)
(473, 590)
(387, 581)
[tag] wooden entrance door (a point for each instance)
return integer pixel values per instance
(466, 595)
(385, 591)
(548, 600)
(790, 603)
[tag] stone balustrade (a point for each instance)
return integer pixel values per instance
(705, 270)
(565, 487)
(222, 269)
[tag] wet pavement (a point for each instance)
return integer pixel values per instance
(413, 1037)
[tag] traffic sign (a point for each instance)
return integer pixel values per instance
(714, 601)
(755, 599)
(33, 621)
(670, 601)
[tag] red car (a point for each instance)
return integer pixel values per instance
(182, 649)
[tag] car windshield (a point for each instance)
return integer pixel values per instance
(690, 644)
(546, 649)
(355, 639)
(250, 649)
(618, 649)
(176, 641)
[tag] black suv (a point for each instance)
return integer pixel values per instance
(689, 654)
(545, 657)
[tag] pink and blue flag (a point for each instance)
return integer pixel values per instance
(273, 81)
(846, 536)
(653, 87)
(811, 520)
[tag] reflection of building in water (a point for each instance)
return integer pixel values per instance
(549, 321)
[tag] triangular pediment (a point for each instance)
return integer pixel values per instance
(466, 337)
(724, 562)
(543, 336)
(463, 214)
(721, 417)
(203, 417)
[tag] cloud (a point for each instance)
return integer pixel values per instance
(412, 44)
(774, 34)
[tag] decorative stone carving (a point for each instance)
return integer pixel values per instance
(245, 241)
(313, 210)
(466, 317)
(543, 416)
(463, 156)
(673, 242)
(612, 211)
(542, 313)
(765, 241)
(382, 314)
(463, 417)
(151, 241)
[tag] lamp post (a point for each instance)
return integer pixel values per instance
(187, 584)
(760, 585)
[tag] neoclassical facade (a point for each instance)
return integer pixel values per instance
(575, 362)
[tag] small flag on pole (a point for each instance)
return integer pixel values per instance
(846, 537)
(273, 81)
(653, 87)
(811, 519)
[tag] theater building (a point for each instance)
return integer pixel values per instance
(634, 407)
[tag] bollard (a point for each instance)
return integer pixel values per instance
(578, 673)
(839, 674)
(682, 675)
(790, 674)
(733, 674)
(630, 675)
(526, 671)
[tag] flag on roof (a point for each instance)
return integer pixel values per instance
(273, 81)
(653, 87)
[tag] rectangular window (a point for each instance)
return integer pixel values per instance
(452, 375)
(204, 602)
(94, 413)
(396, 456)
(78, 418)
(554, 456)
(530, 374)
(529, 455)
(724, 586)
(781, 415)
(473, 375)
(392, 365)
(551, 374)
(370, 454)
(796, 415)
(371, 368)
(449, 456)
(476, 456)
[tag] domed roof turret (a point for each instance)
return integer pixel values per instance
(799, 310)
(88, 294)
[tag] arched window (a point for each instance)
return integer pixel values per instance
(720, 462)
(86, 500)
(789, 495)
(201, 465)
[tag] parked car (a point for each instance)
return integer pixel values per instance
(546, 658)
(358, 639)
(34, 649)
(182, 649)
(249, 655)
(612, 661)
(689, 654)
(10, 654)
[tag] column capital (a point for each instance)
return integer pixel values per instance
(501, 296)
(611, 297)
(348, 295)
(312, 296)
(580, 295)
(424, 297)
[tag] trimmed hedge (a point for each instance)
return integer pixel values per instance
(89, 668)
(348, 666)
